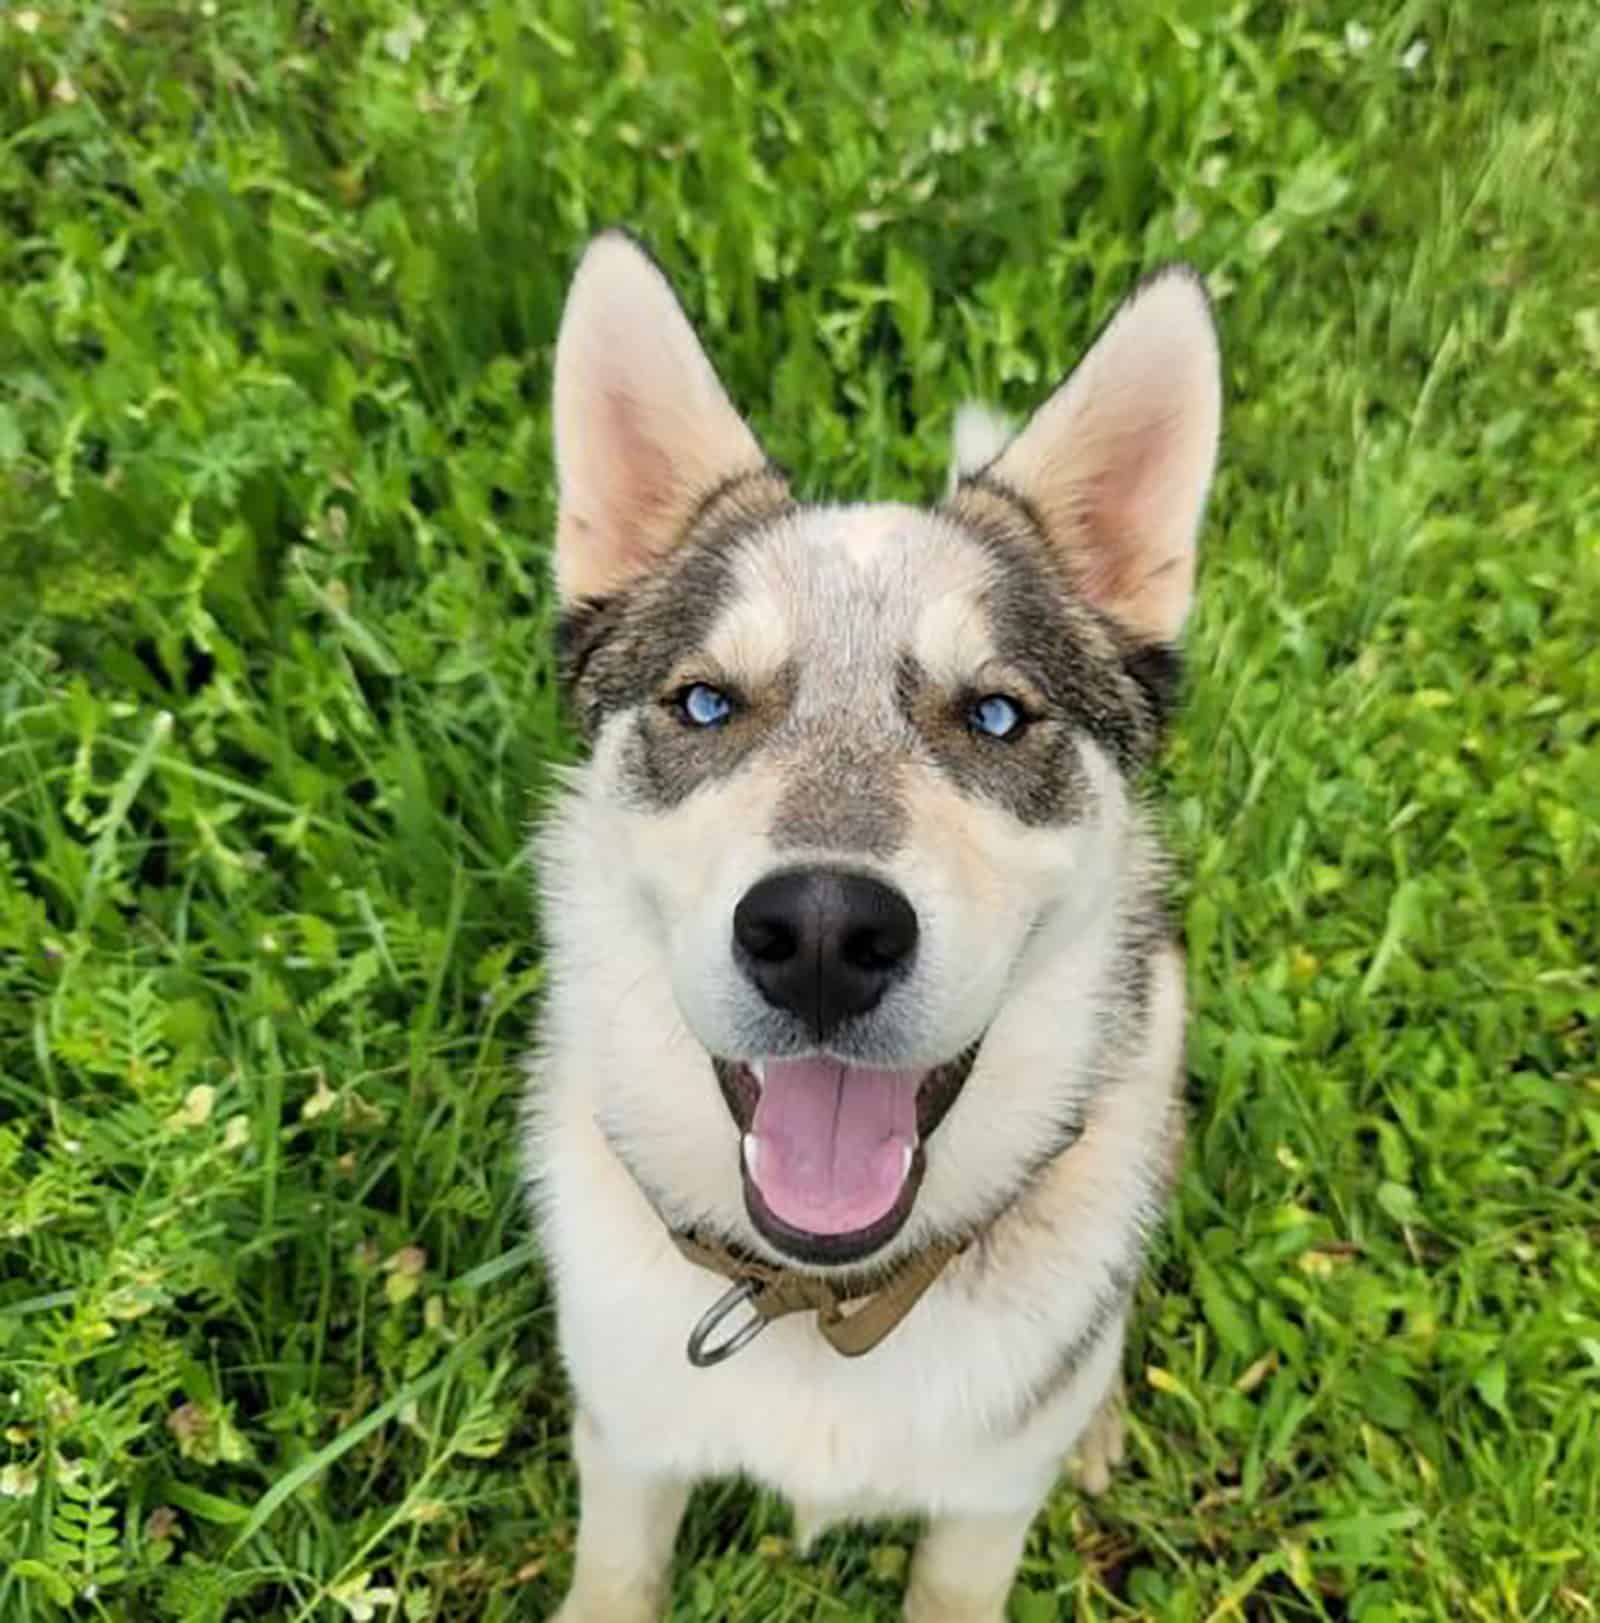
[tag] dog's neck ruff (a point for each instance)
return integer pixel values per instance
(773, 1293)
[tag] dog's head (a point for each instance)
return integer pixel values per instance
(857, 772)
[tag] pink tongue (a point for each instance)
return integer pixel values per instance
(831, 1142)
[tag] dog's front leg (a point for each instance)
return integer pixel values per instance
(625, 1534)
(963, 1568)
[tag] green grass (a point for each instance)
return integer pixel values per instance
(280, 283)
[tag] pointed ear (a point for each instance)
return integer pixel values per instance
(1117, 462)
(644, 430)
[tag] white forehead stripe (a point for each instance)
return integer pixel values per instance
(851, 590)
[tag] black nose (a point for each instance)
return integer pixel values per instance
(823, 944)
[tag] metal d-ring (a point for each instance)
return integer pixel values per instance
(703, 1357)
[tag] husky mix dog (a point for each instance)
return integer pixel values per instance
(858, 1088)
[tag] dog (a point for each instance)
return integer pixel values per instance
(857, 1090)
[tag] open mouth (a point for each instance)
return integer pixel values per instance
(833, 1153)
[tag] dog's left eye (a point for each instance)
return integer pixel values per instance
(995, 716)
(702, 705)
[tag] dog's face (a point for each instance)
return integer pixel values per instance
(863, 765)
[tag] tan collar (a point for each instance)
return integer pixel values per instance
(773, 1292)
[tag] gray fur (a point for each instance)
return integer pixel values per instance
(841, 794)
(1038, 777)
(617, 653)
(1114, 690)
(667, 759)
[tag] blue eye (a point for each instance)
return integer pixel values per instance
(702, 705)
(995, 716)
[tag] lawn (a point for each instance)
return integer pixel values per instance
(276, 709)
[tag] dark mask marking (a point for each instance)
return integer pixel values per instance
(665, 759)
(1116, 688)
(580, 632)
(614, 652)
(842, 793)
(1038, 776)
(1158, 669)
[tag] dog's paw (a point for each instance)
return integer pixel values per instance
(616, 1608)
(923, 1605)
(1099, 1450)
(811, 1521)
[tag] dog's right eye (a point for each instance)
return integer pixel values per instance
(702, 705)
(996, 716)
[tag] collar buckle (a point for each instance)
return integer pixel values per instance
(704, 1356)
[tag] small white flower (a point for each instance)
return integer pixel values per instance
(404, 37)
(1414, 55)
(361, 1598)
(196, 1108)
(320, 1102)
(1033, 88)
(1357, 37)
